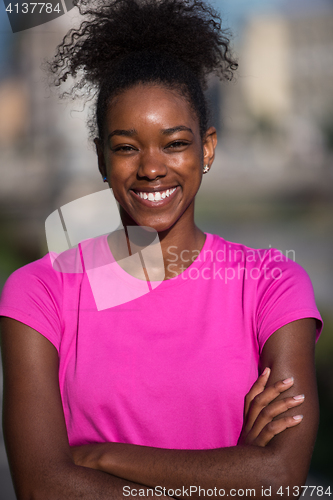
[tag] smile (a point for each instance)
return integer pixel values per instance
(156, 196)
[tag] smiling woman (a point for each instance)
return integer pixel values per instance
(152, 158)
(182, 387)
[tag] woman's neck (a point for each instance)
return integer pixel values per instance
(180, 246)
(169, 252)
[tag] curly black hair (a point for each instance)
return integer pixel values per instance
(177, 43)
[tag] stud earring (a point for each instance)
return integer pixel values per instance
(206, 169)
(105, 179)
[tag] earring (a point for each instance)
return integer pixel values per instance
(206, 169)
(105, 179)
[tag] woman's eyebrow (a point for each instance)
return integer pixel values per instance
(170, 131)
(128, 133)
(132, 132)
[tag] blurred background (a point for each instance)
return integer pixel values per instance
(271, 183)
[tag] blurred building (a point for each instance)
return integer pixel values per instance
(43, 140)
(278, 114)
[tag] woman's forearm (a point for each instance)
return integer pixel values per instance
(239, 467)
(73, 482)
(257, 462)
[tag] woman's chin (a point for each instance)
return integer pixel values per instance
(152, 224)
(155, 226)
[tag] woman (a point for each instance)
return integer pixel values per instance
(107, 403)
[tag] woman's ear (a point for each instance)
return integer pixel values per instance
(100, 156)
(209, 145)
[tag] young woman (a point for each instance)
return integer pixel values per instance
(162, 390)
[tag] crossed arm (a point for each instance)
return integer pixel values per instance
(44, 466)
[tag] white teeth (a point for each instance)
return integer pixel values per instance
(158, 196)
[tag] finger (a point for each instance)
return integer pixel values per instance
(276, 427)
(257, 388)
(273, 410)
(264, 398)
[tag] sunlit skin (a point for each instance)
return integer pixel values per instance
(152, 143)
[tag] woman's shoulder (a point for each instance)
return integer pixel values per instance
(234, 252)
(32, 295)
(280, 288)
(265, 271)
(44, 270)
(38, 288)
(26, 275)
(52, 266)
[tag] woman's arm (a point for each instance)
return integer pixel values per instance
(34, 427)
(283, 462)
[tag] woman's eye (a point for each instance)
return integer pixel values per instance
(123, 148)
(177, 144)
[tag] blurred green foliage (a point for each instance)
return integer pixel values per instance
(327, 130)
(13, 252)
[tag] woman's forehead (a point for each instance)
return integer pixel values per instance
(154, 104)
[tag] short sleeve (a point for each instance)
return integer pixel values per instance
(32, 295)
(285, 294)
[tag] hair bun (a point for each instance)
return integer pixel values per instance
(190, 30)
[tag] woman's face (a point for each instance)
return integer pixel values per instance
(153, 156)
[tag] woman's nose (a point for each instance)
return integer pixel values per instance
(152, 166)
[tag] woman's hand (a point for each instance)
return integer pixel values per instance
(261, 408)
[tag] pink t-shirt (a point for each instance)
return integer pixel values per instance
(171, 367)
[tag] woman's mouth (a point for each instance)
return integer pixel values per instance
(150, 198)
(157, 195)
